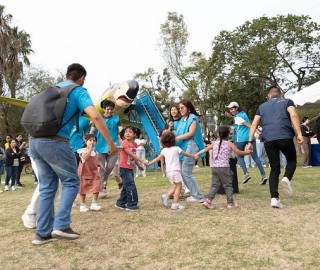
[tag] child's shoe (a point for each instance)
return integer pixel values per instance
(176, 206)
(232, 205)
(164, 199)
(208, 204)
(94, 206)
(84, 208)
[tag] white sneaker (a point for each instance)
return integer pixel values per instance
(164, 175)
(164, 199)
(35, 183)
(13, 188)
(74, 205)
(176, 206)
(275, 203)
(0, 190)
(6, 188)
(197, 167)
(192, 199)
(95, 207)
(84, 208)
(29, 221)
(287, 190)
(144, 175)
(137, 175)
(102, 194)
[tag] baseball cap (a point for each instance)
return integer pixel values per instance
(233, 104)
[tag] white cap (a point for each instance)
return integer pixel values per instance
(233, 104)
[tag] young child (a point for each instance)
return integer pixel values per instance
(90, 182)
(171, 154)
(221, 173)
(129, 195)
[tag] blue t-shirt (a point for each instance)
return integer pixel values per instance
(275, 119)
(242, 131)
(77, 138)
(77, 99)
(112, 123)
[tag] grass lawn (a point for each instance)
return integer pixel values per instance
(253, 236)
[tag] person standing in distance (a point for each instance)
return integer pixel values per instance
(55, 160)
(102, 147)
(277, 116)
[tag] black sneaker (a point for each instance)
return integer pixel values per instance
(120, 186)
(19, 185)
(133, 208)
(40, 240)
(68, 234)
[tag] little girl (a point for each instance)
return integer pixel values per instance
(171, 154)
(90, 182)
(221, 173)
(129, 195)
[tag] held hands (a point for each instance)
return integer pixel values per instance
(146, 163)
(247, 151)
(196, 157)
(250, 149)
(140, 167)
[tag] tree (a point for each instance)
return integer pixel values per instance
(5, 40)
(161, 90)
(280, 50)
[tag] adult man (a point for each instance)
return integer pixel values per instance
(277, 116)
(114, 125)
(55, 160)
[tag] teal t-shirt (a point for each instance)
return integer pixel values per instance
(77, 138)
(77, 99)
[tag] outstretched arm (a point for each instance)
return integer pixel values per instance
(155, 160)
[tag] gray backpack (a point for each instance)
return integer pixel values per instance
(43, 115)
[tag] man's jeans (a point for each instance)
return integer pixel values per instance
(273, 149)
(129, 193)
(241, 146)
(54, 160)
(186, 167)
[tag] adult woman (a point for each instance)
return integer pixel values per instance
(242, 125)
(23, 151)
(306, 133)
(174, 117)
(141, 153)
(189, 139)
(13, 155)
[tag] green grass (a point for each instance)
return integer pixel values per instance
(253, 236)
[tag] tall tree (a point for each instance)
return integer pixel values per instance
(5, 40)
(18, 52)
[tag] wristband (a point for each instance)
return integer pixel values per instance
(249, 141)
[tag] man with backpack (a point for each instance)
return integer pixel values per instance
(55, 159)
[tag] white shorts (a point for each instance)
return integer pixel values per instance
(174, 177)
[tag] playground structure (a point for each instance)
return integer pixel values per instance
(144, 114)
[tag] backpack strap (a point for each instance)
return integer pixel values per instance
(64, 92)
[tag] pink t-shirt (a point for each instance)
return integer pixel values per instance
(171, 155)
(125, 160)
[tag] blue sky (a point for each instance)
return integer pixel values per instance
(114, 40)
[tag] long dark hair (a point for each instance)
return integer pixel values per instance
(187, 103)
(224, 133)
(179, 114)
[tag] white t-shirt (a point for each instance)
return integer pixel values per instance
(138, 141)
(84, 151)
(171, 155)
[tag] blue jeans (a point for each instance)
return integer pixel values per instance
(241, 146)
(261, 151)
(12, 172)
(186, 167)
(1, 168)
(129, 193)
(54, 160)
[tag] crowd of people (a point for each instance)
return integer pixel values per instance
(83, 164)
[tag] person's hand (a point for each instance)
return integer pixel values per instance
(113, 149)
(101, 167)
(196, 157)
(300, 139)
(247, 151)
(228, 114)
(140, 168)
(250, 148)
(145, 162)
